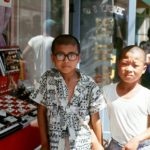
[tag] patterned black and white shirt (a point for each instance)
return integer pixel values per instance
(68, 118)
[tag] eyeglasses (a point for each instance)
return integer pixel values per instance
(71, 56)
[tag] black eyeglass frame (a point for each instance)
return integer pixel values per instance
(66, 55)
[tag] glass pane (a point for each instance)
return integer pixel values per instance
(97, 26)
(120, 29)
(97, 55)
(103, 33)
(143, 37)
(31, 26)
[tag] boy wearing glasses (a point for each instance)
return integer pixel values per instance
(69, 102)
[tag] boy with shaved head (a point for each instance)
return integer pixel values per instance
(128, 103)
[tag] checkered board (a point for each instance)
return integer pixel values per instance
(14, 106)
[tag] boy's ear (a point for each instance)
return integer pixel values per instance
(145, 67)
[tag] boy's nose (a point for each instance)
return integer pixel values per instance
(129, 68)
(66, 59)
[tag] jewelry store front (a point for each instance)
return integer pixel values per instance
(103, 27)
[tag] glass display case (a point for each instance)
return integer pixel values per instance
(21, 21)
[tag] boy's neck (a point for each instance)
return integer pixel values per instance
(71, 76)
(126, 89)
(71, 81)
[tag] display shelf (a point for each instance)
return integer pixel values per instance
(15, 114)
(9, 68)
(18, 125)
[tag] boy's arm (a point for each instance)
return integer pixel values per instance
(42, 123)
(96, 129)
(134, 142)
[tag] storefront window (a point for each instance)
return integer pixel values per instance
(28, 28)
(97, 26)
(33, 13)
(143, 36)
(96, 34)
(103, 32)
(142, 22)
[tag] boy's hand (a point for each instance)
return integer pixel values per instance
(95, 144)
(131, 145)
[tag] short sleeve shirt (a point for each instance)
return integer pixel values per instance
(128, 117)
(72, 117)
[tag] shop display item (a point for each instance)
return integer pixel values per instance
(8, 124)
(14, 106)
(10, 58)
(15, 114)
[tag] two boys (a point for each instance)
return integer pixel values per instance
(69, 102)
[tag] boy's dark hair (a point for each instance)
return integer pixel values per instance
(128, 48)
(65, 39)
